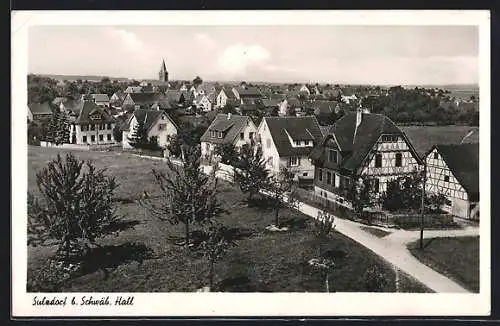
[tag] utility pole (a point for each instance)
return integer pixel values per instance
(423, 206)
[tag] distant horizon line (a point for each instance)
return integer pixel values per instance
(259, 81)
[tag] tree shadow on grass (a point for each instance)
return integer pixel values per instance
(294, 223)
(108, 258)
(197, 236)
(263, 203)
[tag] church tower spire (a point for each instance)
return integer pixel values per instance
(163, 74)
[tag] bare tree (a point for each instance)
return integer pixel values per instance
(188, 195)
(280, 188)
(217, 240)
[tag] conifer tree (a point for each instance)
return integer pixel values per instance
(250, 172)
(138, 137)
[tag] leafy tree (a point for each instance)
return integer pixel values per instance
(174, 146)
(217, 240)
(250, 172)
(323, 227)
(117, 133)
(138, 137)
(227, 153)
(405, 193)
(362, 195)
(197, 81)
(189, 196)
(61, 134)
(281, 190)
(229, 108)
(75, 207)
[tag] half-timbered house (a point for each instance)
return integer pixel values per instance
(453, 170)
(361, 145)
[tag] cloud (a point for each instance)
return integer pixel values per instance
(236, 58)
(128, 40)
(205, 40)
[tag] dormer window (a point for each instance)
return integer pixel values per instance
(95, 117)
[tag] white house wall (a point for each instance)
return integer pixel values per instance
(162, 135)
(85, 137)
(437, 169)
(269, 151)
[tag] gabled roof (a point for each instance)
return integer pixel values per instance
(173, 95)
(40, 108)
(133, 89)
(100, 97)
(90, 108)
(120, 94)
(270, 102)
(150, 117)
(323, 107)
(302, 128)
(355, 144)
(231, 127)
(248, 92)
(463, 162)
(293, 102)
(73, 106)
(147, 99)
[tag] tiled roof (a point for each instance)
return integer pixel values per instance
(40, 108)
(270, 102)
(173, 95)
(356, 146)
(303, 128)
(73, 106)
(221, 121)
(248, 92)
(463, 161)
(90, 108)
(133, 89)
(100, 97)
(147, 99)
(150, 117)
(323, 107)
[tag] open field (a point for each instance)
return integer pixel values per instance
(262, 262)
(424, 137)
(457, 258)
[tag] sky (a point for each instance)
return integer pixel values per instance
(382, 55)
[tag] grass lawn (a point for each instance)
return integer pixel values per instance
(375, 231)
(424, 137)
(142, 258)
(457, 258)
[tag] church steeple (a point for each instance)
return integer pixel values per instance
(163, 74)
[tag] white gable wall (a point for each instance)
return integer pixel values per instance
(269, 150)
(163, 129)
(437, 170)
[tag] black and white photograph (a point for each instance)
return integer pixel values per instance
(330, 158)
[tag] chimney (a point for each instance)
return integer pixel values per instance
(359, 116)
(229, 116)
